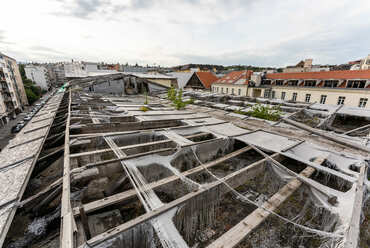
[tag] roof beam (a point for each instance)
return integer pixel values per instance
(247, 172)
(120, 197)
(236, 234)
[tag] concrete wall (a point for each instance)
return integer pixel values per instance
(112, 87)
(38, 74)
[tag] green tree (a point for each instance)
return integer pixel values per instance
(31, 96)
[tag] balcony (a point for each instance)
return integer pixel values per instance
(7, 98)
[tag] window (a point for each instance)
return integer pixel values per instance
(293, 82)
(323, 99)
(222, 90)
(232, 91)
(310, 83)
(266, 82)
(341, 100)
(266, 94)
(239, 92)
(356, 83)
(227, 90)
(331, 83)
(273, 94)
(283, 95)
(279, 82)
(294, 97)
(308, 97)
(362, 103)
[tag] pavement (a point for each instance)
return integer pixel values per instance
(5, 132)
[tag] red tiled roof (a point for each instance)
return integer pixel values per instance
(235, 76)
(207, 78)
(357, 74)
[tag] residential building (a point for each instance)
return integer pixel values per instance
(305, 66)
(12, 93)
(349, 87)
(234, 83)
(165, 80)
(365, 63)
(84, 69)
(182, 78)
(195, 80)
(197, 68)
(39, 75)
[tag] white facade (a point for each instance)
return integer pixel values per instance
(38, 74)
(84, 69)
(365, 63)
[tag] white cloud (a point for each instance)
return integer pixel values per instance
(170, 32)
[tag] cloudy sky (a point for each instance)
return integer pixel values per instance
(172, 32)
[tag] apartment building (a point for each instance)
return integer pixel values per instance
(12, 93)
(349, 87)
(39, 75)
(79, 69)
(234, 83)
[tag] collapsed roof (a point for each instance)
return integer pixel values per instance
(113, 170)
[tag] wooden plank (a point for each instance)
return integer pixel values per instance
(356, 129)
(13, 211)
(237, 233)
(249, 172)
(328, 136)
(309, 182)
(353, 232)
(292, 114)
(134, 146)
(121, 148)
(91, 135)
(36, 196)
(66, 211)
(95, 205)
(329, 120)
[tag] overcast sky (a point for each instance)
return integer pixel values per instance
(172, 32)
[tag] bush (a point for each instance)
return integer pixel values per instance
(176, 98)
(263, 112)
(31, 96)
(171, 94)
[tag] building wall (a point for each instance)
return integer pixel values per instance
(163, 81)
(365, 63)
(352, 96)
(231, 89)
(19, 81)
(14, 81)
(38, 74)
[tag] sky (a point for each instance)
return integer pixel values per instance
(173, 32)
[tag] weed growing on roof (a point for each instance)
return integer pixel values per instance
(146, 97)
(171, 94)
(263, 112)
(176, 98)
(144, 108)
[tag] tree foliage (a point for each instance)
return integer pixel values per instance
(33, 91)
(31, 96)
(176, 98)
